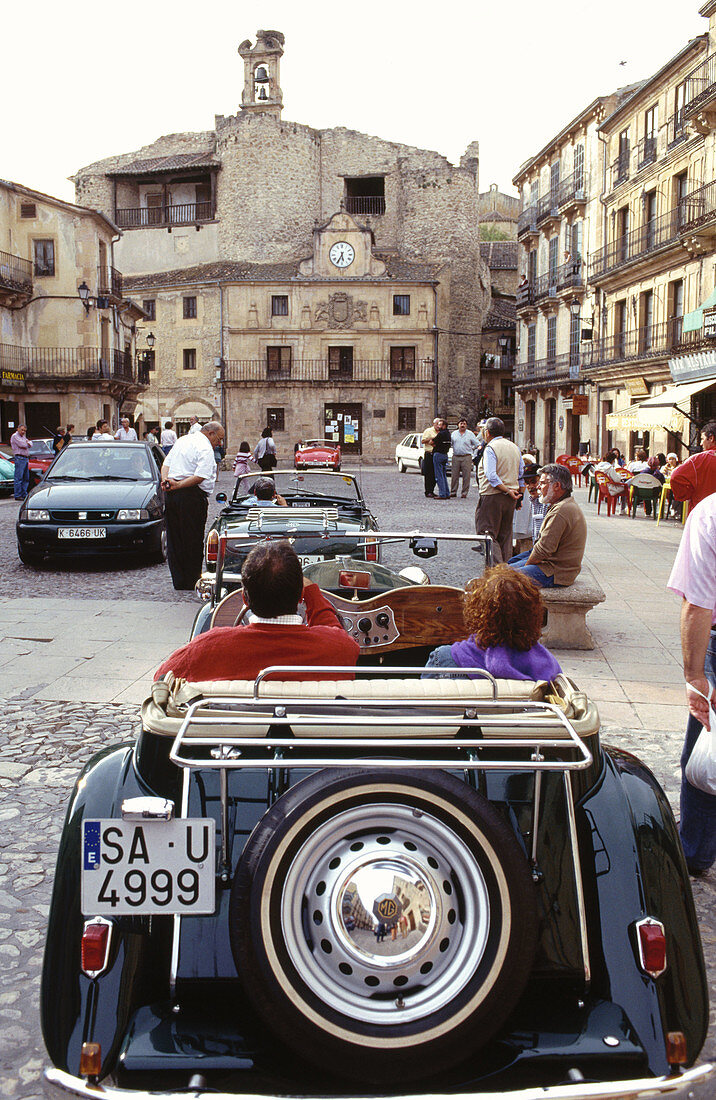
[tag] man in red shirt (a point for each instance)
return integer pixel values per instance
(696, 478)
(273, 586)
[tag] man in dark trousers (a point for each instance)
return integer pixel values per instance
(427, 439)
(500, 479)
(188, 479)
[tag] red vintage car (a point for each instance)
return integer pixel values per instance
(317, 452)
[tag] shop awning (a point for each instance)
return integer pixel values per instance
(694, 321)
(663, 410)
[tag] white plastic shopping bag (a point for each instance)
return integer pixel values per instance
(701, 768)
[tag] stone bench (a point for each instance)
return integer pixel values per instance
(566, 613)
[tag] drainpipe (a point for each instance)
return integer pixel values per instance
(605, 229)
(435, 349)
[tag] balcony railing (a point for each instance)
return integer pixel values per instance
(109, 282)
(649, 237)
(548, 205)
(676, 129)
(570, 273)
(649, 342)
(150, 217)
(15, 273)
(546, 285)
(552, 368)
(525, 295)
(68, 363)
(701, 85)
(365, 204)
(572, 189)
(645, 152)
(527, 221)
(699, 207)
(501, 361)
(318, 370)
(620, 167)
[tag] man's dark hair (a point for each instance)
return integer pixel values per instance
(272, 580)
(495, 426)
(561, 475)
(710, 428)
(264, 488)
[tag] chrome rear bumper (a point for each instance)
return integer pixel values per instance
(57, 1081)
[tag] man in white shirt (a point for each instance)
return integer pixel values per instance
(694, 578)
(188, 478)
(168, 437)
(194, 425)
(103, 434)
(124, 433)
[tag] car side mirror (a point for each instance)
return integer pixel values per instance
(424, 548)
(221, 498)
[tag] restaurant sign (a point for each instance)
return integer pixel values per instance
(709, 323)
(637, 387)
(690, 368)
(12, 378)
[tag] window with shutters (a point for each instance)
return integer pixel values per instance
(28, 210)
(401, 305)
(551, 339)
(406, 419)
(189, 358)
(402, 364)
(531, 343)
(149, 306)
(190, 308)
(340, 363)
(553, 260)
(279, 305)
(578, 167)
(278, 362)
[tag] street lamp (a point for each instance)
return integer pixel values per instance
(575, 307)
(84, 292)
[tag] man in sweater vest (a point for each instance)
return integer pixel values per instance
(556, 557)
(500, 480)
(273, 587)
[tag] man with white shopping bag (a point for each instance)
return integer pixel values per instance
(694, 578)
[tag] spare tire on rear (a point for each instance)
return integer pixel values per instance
(383, 922)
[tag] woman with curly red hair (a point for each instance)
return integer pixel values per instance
(504, 611)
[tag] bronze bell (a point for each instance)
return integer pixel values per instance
(262, 94)
(261, 76)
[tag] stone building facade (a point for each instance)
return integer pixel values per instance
(60, 362)
(499, 330)
(616, 261)
(254, 190)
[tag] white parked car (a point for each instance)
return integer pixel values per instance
(409, 454)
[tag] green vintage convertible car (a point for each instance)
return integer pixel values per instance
(325, 516)
(372, 886)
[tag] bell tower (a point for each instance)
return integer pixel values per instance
(262, 90)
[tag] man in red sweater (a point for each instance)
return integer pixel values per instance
(696, 478)
(273, 586)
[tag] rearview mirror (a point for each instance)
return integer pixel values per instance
(424, 548)
(348, 578)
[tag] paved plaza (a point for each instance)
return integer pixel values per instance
(80, 644)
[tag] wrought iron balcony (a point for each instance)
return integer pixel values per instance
(546, 285)
(109, 282)
(645, 152)
(620, 167)
(572, 190)
(655, 341)
(527, 221)
(318, 370)
(77, 364)
(570, 274)
(15, 277)
(676, 129)
(525, 295)
(701, 86)
(365, 204)
(698, 209)
(548, 206)
(653, 235)
(151, 217)
(553, 368)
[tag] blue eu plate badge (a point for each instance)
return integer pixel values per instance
(90, 857)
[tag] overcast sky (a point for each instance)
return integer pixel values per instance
(82, 82)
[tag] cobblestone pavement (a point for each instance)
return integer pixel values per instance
(43, 744)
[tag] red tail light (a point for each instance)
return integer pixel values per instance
(371, 550)
(96, 939)
(212, 546)
(652, 946)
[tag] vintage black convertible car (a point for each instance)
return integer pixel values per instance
(325, 516)
(96, 498)
(372, 886)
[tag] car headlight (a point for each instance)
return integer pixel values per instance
(125, 514)
(38, 515)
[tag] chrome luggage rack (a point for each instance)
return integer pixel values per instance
(228, 750)
(326, 517)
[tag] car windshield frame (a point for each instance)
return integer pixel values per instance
(323, 484)
(318, 444)
(102, 462)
